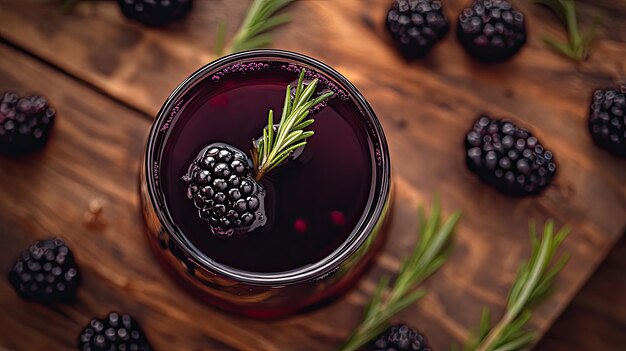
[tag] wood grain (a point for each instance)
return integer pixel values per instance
(425, 109)
(122, 58)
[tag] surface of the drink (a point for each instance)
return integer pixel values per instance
(313, 202)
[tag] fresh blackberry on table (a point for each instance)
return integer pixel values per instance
(607, 119)
(155, 12)
(46, 273)
(116, 332)
(399, 337)
(491, 30)
(224, 191)
(508, 157)
(25, 122)
(416, 26)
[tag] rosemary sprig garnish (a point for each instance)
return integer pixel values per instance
(67, 5)
(532, 285)
(276, 146)
(577, 46)
(430, 252)
(260, 18)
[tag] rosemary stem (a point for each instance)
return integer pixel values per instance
(495, 332)
(521, 301)
(260, 173)
(572, 26)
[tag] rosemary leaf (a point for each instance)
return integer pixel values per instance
(259, 41)
(68, 5)
(220, 38)
(428, 254)
(378, 294)
(578, 45)
(532, 285)
(485, 321)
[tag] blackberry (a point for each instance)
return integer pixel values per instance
(25, 122)
(491, 30)
(416, 26)
(46, 273)
(114, 333)
(399, 337)
(607, 119)
(155, 13)
(224, 190)
(508, 157)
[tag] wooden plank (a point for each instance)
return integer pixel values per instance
(123, 58)
(141, 66)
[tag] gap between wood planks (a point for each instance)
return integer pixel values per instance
(11, 45)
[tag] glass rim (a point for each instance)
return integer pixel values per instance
(371, 214)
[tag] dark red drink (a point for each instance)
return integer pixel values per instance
(314, 201)
(322, 207)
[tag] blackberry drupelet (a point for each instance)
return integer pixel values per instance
(399, 337)
(155, 13)
(224, 191)
(25, 122)
(114, 333)
(491, 30)
(416, 26)
(607, 119)
(508, 157)
(46, 273)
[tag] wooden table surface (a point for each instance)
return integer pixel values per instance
(107, 78)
